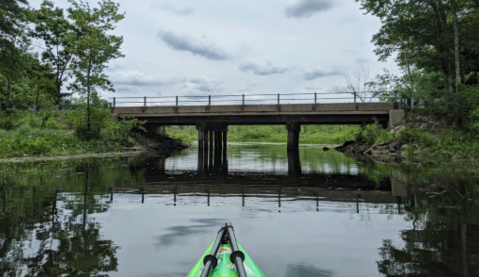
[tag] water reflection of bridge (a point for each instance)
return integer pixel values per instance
(261, 191)
(214, 162)
(213, 178)
(265, 187)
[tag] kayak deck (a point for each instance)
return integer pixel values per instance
(225, 267)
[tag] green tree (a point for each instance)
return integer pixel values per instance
(11, 17)
(435, 42)
(13, 43)
(57, 32)
(429, 34)
(94, 47)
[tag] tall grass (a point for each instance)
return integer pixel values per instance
(27, 141)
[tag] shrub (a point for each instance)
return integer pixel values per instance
(10, 119)
(99, 118)
(455, 107)
(52, 123)
(122, 130)
(372, 133)
(415, 135)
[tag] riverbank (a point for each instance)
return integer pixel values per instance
(58, 133)
(41, 144)
(421, 137)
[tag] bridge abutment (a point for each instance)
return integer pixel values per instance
(156, 129)
(395, 117)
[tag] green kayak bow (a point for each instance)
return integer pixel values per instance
(225, 257)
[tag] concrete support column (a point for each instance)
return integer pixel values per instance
(294, 164)
(210, 155)
(218, 147)
(225, 139)
(201, 140)
(218, 140)
(294, 129)
(205, 152)
(201, 149)
(224, 165)
(212, 146)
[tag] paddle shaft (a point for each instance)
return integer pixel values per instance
(212, 256)
(237, 257)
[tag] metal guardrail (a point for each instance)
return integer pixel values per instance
(255, 99)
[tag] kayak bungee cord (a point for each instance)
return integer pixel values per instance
(210, 261)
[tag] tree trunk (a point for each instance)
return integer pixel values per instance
(411, 80)
(444, 46)
(59, 94)
(38, 97)
(88, 111)
(457, 61)
(9, 92)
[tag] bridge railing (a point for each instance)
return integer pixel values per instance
(255, 99)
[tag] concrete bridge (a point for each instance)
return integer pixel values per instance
(213, 118)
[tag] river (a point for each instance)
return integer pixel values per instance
(313, 213)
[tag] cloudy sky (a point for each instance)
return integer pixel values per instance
(203, 47)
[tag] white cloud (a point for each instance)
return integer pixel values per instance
(318, 73)
(262, 69)
(139, 79)
(361, 60)
(203, 84)
(307, 8)
(181, 10)
(201, 47)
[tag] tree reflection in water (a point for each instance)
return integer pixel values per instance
(443, 239)
(44, 232)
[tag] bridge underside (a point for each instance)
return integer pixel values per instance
(382, 118)
(212, 121)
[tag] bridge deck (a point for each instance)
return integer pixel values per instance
(346, 113)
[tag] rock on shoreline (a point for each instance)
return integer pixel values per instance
(383, 148)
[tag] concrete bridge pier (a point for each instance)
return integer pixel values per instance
(294, 164)
(294, 129)
(212, 147)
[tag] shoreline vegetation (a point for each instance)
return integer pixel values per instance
(59, 133)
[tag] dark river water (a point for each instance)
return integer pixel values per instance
(311, 213)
